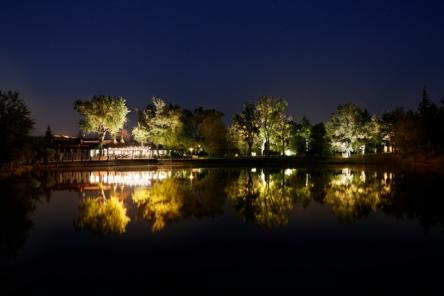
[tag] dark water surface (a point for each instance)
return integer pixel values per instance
(219, 230)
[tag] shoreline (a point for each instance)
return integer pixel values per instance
(258, 162)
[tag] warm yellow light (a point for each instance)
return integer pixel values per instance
(289, 152)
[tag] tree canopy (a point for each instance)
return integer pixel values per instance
(350, 129)
(15, 125)
(245, 127)
(102, 115)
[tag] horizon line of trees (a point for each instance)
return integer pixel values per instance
(263, 127)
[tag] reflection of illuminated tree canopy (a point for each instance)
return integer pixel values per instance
(263, 198)
(353, 195)
(102, 215)
(300, 187)
(163, 201)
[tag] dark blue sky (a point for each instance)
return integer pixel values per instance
(314, 54)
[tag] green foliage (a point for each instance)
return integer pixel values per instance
(270, 113)
(159, 124)
(15, 126)
(245, 128)
(301, 140)
(262, 198)
(103, 216)
(102, 115)
(283, 131)
(350, 129)
(172, 127)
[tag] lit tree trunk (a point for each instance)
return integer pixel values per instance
(263, 147)
(102, 140)
(122, 141)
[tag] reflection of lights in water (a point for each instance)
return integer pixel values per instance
(344, 178)
(289, 172)
(363, 176)
(128, 178)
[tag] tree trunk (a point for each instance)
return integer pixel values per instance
(102, 140)
(122, 141)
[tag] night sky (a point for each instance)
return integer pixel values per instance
(314, 54)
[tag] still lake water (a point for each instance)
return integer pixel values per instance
(213, 230)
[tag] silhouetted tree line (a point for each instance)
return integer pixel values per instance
(417, 131)
(18, 147)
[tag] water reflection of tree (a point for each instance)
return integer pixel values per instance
(103, 215)
(198, 193)
(301, 187)
(353, 195)
(18, 200)
(162, 202)
(207, 194)
(263, 197)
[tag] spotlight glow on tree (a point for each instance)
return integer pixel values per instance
(102, 115)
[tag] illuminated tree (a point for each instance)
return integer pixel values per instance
(159, 124)
(15, 126)
(102, 115)
(282, 133)
(269, 113)
(371, 134)
(351, 129)
(245, 127)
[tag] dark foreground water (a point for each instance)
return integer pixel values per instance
(222, 230)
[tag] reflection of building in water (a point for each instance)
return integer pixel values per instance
(352, 195)
(136, 178)
(81, 180)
